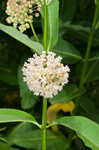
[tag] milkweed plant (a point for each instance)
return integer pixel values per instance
(45, 74)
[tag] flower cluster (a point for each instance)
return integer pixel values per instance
(20, 12)
(45, 74)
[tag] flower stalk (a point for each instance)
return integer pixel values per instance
(44, 114)
(44, 111)
(34, 33)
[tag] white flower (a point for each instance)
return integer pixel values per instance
(20, 12)
(45, 75)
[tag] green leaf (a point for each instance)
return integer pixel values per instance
(69, 54)
(96, 57)
(52, 22)
(14, 115)
(35, 46)
(33, 139)
(97, 2)
(67, 94)
(77, 28)
(28, 99)
(68, 10)
(53, 15)
(78, 33)
(5, 146)
(89, 108)
(86, 129)
(92, 72)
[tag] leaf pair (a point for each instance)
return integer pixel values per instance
(33, 138)
(86, 129)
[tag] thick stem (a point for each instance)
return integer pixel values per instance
(44, 114)
(85, 63)
(45, 26)
(34, 33)
(44, 111)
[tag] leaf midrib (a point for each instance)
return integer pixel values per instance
(69, 54)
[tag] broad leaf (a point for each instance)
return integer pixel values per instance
(69, 54)
(86, 129)
(52, 23)
(92, 72)
(68, 10)
(14, 115)
(28, 99)
(88, 108)
(77, 28)
(68, 93)
(53, 15)
(97, 2)
(33, 139)
(5, 146)
(35, 46)
(81, 33)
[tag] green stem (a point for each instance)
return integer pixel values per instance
(45, 27)
(44, 114)
(34, 33)
(85, 63)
